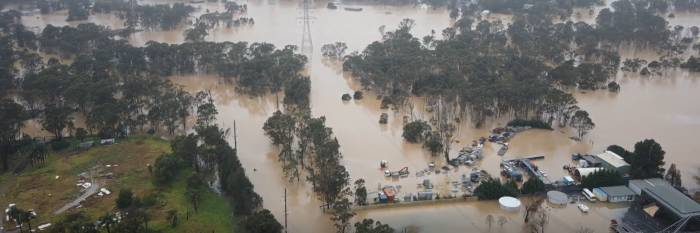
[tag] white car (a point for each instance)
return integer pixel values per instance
(583, 208)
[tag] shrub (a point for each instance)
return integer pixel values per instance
(537, 124)
(60, 145)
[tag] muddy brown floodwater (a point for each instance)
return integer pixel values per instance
(664, 108)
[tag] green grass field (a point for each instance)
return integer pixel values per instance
(38, 188)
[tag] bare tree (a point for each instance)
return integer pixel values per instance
(541, 220)
(489, 220)
(532, 206)
(502, 220)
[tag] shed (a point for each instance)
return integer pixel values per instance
(568, 180)
(612, 161)
(581, 171)
(618, 193)
(390, 193)
(591, 161)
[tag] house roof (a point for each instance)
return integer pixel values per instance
(612, 159)
(668, 196)
(619, 190)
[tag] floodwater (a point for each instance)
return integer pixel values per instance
(663, 108)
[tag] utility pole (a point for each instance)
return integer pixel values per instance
(285, 210)
(306, 43)
(235, 137)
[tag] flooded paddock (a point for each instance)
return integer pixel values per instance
(664, 108)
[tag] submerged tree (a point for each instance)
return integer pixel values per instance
(341, 214)
(582, 122)
(416, 131)
(370, 226)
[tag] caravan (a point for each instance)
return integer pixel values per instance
(589, 195)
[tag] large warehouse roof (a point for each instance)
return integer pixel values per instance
(668, 196)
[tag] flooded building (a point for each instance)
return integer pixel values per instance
(619, 193)
(665, 205)
(610, 160)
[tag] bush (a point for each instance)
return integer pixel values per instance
(166, 169)
(262, 222)
(613, 86)
(60, 145)
(537, 124)
(692, 64)
(81, 134)
(125, 199)
(358, 95)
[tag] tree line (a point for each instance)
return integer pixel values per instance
(117, 87)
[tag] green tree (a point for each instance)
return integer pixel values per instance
(185, 148)
(533, 185)
(56, 119)
(370, 226)
(360, 192)
(602, 178)
(415, 131)
(582, 122)
(75, 223)
(648, 160)
(195, 188)
(166, 169)
(262, 222)
(12, 116)
(341, 214)
(491, 189)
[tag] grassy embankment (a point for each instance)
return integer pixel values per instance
(37, 188)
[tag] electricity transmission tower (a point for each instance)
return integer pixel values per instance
(307, 44)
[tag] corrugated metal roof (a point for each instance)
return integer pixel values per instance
(620, 190)
(612, 159)
(668, 196)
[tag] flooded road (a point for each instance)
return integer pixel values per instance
(664, 108)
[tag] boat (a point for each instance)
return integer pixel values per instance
(583, 208)
(353, 8)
